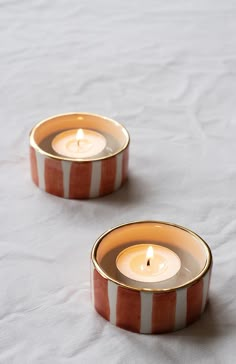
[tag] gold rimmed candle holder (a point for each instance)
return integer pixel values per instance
(166, 306)
(79, 177)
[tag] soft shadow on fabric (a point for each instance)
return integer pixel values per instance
(133, 191)
(206, 329)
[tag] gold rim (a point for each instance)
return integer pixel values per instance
(187, 284)
(36, 147)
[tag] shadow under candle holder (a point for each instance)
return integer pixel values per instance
(132, 192)
(206, 330)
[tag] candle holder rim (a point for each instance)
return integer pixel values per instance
(81, 160)
(189, 283)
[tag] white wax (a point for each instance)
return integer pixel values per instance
(135, 265)
(79, 143)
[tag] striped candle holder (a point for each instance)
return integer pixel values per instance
(170, 305)
(79, 178)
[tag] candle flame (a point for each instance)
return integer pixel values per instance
(149, 255)
(149, 252)
(79, 135)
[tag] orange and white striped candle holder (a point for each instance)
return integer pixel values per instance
(79, 155)
(153, 294)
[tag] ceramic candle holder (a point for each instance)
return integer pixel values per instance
(168, 306)
(79, 178)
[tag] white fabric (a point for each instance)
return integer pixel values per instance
(167, 71)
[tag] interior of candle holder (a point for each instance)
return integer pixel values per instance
(42, 134)
(193, 252)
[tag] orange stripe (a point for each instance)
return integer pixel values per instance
(163, 312)
(54, 177)
(80, 179)
(194, 301)
(125, 164)
(128, 309)
(34, 169)
(101, 295)
(108, 176)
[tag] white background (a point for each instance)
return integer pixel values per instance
(167, 71)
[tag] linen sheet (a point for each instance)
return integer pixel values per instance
(167, 71)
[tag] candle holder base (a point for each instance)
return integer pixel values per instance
(150, 310)
(78, 178)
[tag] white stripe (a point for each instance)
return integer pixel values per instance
(181, 308)
(66, 167)
(205, 290)
(146, 313)
(119, 159)
(41, 170)
(112, 297)
(95, 179)
(92, 283)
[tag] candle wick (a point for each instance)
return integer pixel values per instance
(148, 262)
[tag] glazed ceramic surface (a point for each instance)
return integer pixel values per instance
(149, 310)
(78, 179)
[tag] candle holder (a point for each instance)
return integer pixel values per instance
(83, 177)
(167, 306)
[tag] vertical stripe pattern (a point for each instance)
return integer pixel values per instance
(181, 308)
(118, 179)
(149, 312)
(54, 177)
(146, 312)
(125, 163)
(206, 283)
(194, 301)
(101, 302)
(41, 170)
(112, 296)
(95, 179)
(163, 312)
(108, 176)
(78, 180)
(33, 164)
(66, 167)
(128, 309)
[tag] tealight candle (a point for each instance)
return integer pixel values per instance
(147, 264)
(79, 143)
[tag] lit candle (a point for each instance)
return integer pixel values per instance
(144, 265)
(81, 143)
